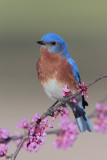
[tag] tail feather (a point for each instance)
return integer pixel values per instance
(88, 124)
(81, 124)
(82, 120)
(84, 125)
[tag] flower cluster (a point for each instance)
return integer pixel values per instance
(56, 115)
(101, 124)
(68, 134)
(62, 111)
(83, 89)
(67, 92)
(37, 129)
(4, 134)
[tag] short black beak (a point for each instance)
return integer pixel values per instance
(40, 42)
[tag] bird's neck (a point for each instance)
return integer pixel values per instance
(47, 54)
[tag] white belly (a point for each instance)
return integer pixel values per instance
(53, 89)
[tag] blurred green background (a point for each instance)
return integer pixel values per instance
(83, 25)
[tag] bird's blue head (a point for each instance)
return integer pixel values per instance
(55, 44)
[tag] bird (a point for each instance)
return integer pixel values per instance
(55, 68)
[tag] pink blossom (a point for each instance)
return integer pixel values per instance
(74, 100)
(69, 133)
(37, 129)
(3, 149)
(101, 124)
(35, 118)
(67, 92)
(99, 106)
(83, 89)
(55, 115)
(23, 124)
(100, 127)
(4, 133)
(105, 109)
(65, 112)
(62, 111)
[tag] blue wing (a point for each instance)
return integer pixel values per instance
(76, 74)
(75, 69)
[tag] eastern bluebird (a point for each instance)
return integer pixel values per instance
(56, 69)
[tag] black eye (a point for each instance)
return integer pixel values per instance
(53, 43)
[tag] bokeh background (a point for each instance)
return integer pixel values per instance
(83, 25)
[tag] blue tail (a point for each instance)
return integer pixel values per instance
(82, 120)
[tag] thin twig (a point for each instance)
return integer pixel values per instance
(13, 138)
(13, 157)
(96, 80)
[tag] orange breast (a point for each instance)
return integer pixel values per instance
(51, 66)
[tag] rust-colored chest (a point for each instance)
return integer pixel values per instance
(52, 66)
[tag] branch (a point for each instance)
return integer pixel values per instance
(50, 112)
(93, 114)
(13, 157)
(13, 138)
(96, 80)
